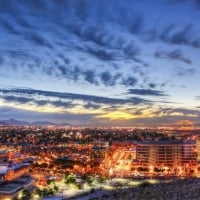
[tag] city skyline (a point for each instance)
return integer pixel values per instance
(113, 63)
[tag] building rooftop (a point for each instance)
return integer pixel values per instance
(14, 186)
(167, 142)
(19, 165)
(10, 187)
(3, 169)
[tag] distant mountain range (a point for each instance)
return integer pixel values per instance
(36, 123)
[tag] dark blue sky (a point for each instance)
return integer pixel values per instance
(100, 62)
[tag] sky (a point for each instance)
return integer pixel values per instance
(100, 62)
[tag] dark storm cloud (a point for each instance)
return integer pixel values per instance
(173, 55)
(71, 96)
(146, 92)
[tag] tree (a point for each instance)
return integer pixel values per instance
(26, 195)
(70, 179)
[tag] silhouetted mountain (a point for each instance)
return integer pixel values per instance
(25, 123)
(2, 123)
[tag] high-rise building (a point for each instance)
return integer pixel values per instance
(166, 156)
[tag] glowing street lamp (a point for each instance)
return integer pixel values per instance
(111, 172)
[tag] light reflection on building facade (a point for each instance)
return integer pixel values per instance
(170, 157)
(152, 158)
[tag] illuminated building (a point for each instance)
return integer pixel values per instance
(17, 171)
(98, 152)
(14, 189)
(118, 159)
(198, 149)
(171, 157)
(151, 158)
(198, 155)
(13, 181)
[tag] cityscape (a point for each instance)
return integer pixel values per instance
(39, 162)
(99, 100)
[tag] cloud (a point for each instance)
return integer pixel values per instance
(99, 36)
(152, 85)
(65, 59)
(21, 100)
(1, 60)
(177, 112)
(90, 119)
(90, 77)
(90, 105)
(195, 2)
(129, 81)
(146, 92)
(108, 79)
(184, 36)
(173, 55)
(95, 44)
(100, 53)
(8, 27)
(184, 72)
(89, 13)
(70, 96)
(28, 100)
(23, 22)
(31, 116)
(37, 39)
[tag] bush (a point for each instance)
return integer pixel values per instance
(92, 190)
(145, 184)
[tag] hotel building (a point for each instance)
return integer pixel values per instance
(169, 157)
(175, 158)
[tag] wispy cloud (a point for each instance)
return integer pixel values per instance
(125, 49)
(173, 55)
(146, 92)
(68, 96)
